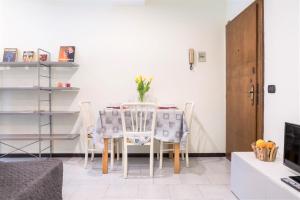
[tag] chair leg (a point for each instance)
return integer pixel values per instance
(158, 153)
(118, 149)
(122, 145)
(125, 160)
(171, 153)
(151, 158)
(86, 154)
(182, 155)
(112, 153)
(93, 153)
(86, 159)
(187, 161)
(161, 149)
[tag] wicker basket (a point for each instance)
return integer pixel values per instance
(265, 154)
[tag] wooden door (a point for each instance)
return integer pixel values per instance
(242, 80)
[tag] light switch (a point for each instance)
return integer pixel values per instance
(202, 56)
(272, 89)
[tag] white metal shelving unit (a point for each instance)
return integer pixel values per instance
(39, 112)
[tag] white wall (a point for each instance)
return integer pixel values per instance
(282, 25)
(1, 21)
(281, 67)
(234, 7)
(113, 45)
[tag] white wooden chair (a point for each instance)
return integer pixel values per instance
(188, 114)
(88, 127)
(138, 122)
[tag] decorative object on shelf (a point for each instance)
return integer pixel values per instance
(143, 86)
(10, 55)
(28, 56)
(60, 85)
(43, 57)
(63, 85)
(67, 54)
(191, 58)
(265, 151)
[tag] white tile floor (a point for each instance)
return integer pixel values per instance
(207, 178)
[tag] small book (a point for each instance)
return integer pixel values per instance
(113, 107)
(167, 107)
(10, 55)
(28, 56)
(66, 54)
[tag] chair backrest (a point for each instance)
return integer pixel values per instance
(188, 113)
(87, 115)
(138, 119)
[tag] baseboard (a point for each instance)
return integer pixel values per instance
(62, 155)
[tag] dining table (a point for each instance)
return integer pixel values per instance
(170, 127)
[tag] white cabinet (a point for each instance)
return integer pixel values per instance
(255, 179)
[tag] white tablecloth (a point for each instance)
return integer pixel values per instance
(170, 126)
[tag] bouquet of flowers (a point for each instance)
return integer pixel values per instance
(143, 85)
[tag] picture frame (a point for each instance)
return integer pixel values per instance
(10, 55)
(28, 56)
(66, 54)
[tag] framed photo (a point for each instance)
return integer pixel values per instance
(43, 57)
(10, 55)
(28, 56)
(66, 54)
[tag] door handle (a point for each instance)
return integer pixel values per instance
(251, 94)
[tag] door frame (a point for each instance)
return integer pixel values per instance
(260, 70)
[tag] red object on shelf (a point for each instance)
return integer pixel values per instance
(60, 84)
(68, 84)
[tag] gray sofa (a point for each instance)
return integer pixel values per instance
(31, 180)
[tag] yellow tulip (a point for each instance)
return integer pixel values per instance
(139, 79)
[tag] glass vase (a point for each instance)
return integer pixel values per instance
(141, 97)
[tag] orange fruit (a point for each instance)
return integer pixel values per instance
(270, 144)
